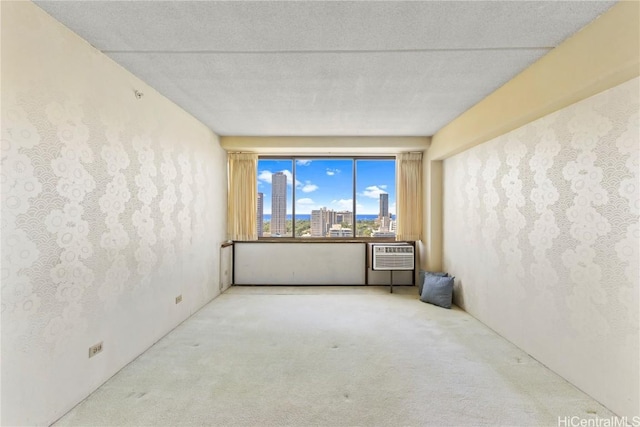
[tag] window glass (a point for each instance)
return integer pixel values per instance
(376, 198)
(323, 190)
(324, 197)
(275, 196)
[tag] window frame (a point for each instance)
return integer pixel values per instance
(353, 238)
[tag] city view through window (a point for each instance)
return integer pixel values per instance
(324, 192)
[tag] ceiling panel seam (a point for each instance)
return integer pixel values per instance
(279, 52)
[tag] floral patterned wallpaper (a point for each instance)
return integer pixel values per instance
(111, 207)
(89, 214)
(541, 230)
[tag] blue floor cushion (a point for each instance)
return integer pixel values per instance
(437, 290)
(423, 273)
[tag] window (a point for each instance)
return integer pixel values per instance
(313, 197)
(275, 181)
(376, 197)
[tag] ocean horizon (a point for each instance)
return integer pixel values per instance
(307, 217)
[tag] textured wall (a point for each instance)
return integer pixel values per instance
(541, 230)
(111, 207)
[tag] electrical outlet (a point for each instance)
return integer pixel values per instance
(178, 299)
(95, 349)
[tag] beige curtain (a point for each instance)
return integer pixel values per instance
(409, 196)
(242, 203)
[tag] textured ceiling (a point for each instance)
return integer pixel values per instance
(325, 68)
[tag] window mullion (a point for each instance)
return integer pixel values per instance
(353, 198)
(293, 198)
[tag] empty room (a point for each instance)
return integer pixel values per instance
(332, 213)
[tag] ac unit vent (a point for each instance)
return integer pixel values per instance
(393, 257)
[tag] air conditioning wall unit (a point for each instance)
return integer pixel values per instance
(393, 257)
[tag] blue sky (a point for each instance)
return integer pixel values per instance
(329, 182)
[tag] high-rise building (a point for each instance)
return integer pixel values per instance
(385, 223)
(384, 206)
(278, 204)
(260, 213)
(344, 217)
(319, 222)
(323, 220)
(336, 230)
(331, 218)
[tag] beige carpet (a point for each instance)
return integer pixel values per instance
(334, 356)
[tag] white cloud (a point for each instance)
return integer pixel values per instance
(265, 176)
(305, 205)
(374, 191)
(305, 162)
(383, 186)
(309, 187)
(343, 204)
(368, 210)
(290, 178)
(332, 172)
